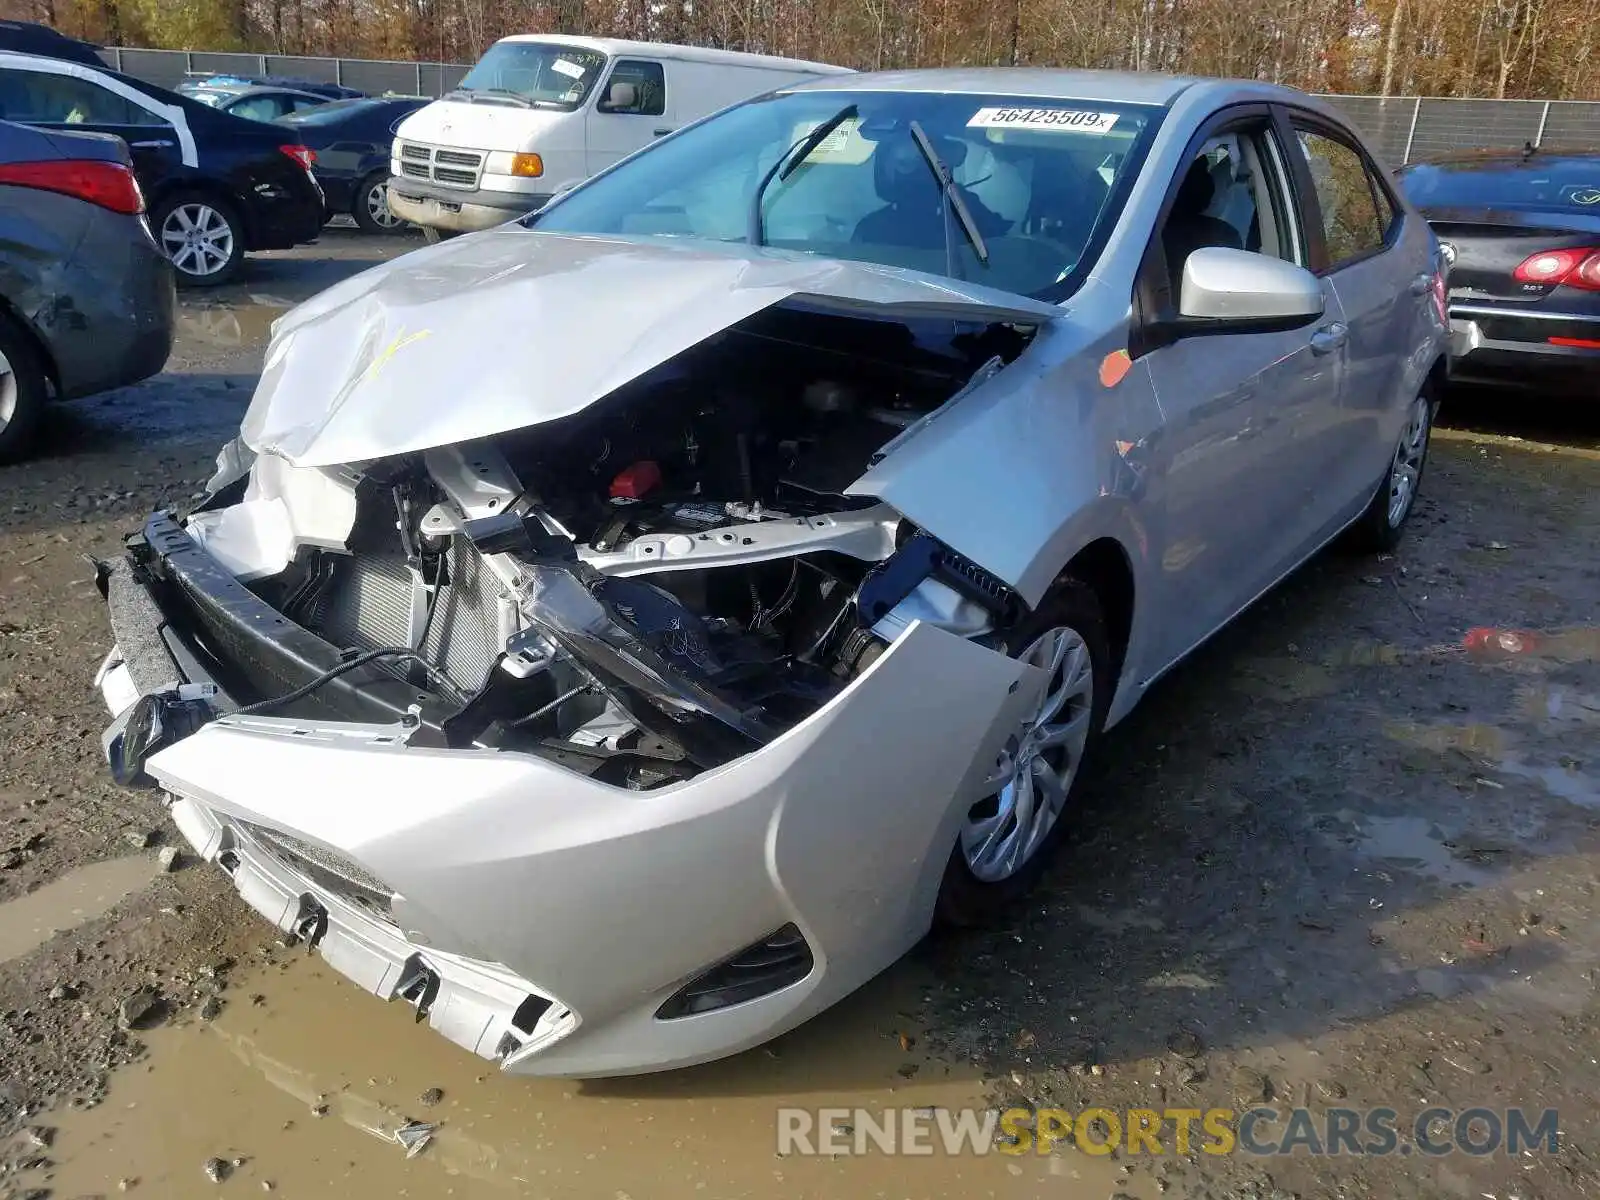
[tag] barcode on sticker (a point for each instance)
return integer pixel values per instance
(1068, 119)
(570, 69)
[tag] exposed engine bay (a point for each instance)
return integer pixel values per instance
(668, 578)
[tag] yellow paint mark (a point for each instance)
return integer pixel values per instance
(401, 341)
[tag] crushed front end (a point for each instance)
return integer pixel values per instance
(618, 742)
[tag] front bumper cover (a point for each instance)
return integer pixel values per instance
(597, 901)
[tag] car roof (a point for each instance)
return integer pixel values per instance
(726, 58)
(1044, 83)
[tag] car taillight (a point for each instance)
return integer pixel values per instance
(303, 155)
(1574, 267)
(108, 184)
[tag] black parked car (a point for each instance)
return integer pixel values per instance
(216, 185)
(351, 139)
(86, 297)
(1521, 231)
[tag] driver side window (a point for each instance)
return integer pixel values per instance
(1231, 194)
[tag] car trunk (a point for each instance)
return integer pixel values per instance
(1491, 243)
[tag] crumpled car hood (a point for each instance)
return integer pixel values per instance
(510, 328)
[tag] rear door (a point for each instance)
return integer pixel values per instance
(614, 130)
(66, 96)
(1381, 273)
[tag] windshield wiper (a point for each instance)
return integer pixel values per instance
(471, 95)
(789, 162)
(947, 185)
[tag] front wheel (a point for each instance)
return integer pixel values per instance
(203, 237)
(1007, 837)
(1379, 528)
(371, 207)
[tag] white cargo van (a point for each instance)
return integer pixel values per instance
(542, 112)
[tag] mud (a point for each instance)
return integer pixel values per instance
(1346, 856)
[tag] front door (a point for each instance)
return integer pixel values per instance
(1236, 406)
(632, 110)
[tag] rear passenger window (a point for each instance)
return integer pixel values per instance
(46, 98)
(649, 89)
(1351, 223)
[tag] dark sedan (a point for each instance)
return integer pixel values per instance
(86, 296)
(352, 140)
(217, 185)
(1521, 231)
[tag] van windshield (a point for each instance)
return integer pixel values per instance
(535, 74)
(1042, 180)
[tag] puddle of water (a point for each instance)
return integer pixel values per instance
(1480, 741)
(30, 921)
(1558, 705)
(1414, 843)
(1565, 783)
(225, 326)
(245, 1086)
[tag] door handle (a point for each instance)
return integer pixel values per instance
(1330, 338)
(1421, 284)
(662, 131)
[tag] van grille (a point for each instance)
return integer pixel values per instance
(448, 168)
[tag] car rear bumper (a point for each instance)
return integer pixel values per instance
(286, 215)
(122, 309)
(457, 211)
(1547, 352)
(535, 915)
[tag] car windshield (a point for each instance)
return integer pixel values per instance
(539, 73)
(209, 97)
(1513, 183)
(1042, 181)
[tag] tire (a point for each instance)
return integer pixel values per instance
(24, 388)
(202, 235)
(976, 889)
(361, 207)
(1379, 529)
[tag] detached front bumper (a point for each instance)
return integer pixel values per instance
(540, 917)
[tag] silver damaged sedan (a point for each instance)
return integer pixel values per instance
(622, 633)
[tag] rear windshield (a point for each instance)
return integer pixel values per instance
(536, 74)
(328, 114)
(1537, 183)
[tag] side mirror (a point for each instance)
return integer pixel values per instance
(621, 95)
(1240, 291)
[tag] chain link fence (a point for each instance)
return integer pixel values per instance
(1402, 129)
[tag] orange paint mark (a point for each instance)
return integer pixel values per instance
(1113, 367)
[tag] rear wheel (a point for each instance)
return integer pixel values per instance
(1006, 838)
(203, 237)
(1378, 529)
(371, 207)
(23, 390)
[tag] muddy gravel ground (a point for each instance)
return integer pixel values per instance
(1346, 857)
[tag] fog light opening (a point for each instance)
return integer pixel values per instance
(777, 961)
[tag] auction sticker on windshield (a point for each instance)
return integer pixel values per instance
(570, 69)
(1071, 120)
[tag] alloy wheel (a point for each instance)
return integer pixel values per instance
(377, 202)
(1406, 469)
(1036, 767)
(197, 238)
(8, 391)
